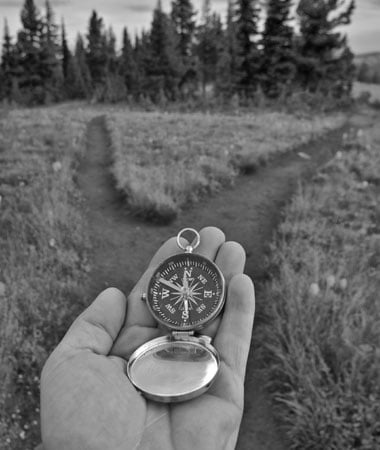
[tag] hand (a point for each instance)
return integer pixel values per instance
(87, 401)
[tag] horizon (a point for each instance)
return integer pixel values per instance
(363, 34)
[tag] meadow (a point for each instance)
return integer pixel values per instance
(45, 258)
(165, 162)
(323, 326)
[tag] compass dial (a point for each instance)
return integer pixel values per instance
(186, 292)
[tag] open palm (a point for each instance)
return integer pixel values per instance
(87, 401)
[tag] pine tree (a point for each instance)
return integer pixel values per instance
(79, 72)
(142, 56)
(326, 61)
(210, 43)
(163, 71)
(115, 89)
(128, 67)
(229, 61)
(66, 54)
(97, 53)
(8, 65)
(246, 19)
(50, 65)
(28, 43)
(182, 16)
(111, 51)
(278, 61)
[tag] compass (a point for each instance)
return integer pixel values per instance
(185, 293)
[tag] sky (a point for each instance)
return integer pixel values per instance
(363, 33)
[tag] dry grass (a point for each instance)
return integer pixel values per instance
(324, 332)
(164, 161)
(43, 261)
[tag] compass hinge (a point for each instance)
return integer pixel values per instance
(182, 335)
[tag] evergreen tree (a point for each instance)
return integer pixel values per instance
(97, 54)
(182, 16)
(210, 43)
(128, 66)
(115, 89)
(142, 56)
(8, 65)
(163, 71)
(111, 51)
(246, 20)
(229, 61)
(79, 72)
(66, 54)
(70, 70)
(325, 62)
(278, 61)
(50, 65)
(28, 43)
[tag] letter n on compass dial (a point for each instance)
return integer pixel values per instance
(186, 292)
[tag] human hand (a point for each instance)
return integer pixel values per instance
(87, 400)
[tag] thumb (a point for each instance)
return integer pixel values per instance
(98, 326)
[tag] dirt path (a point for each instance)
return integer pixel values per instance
(248, 213)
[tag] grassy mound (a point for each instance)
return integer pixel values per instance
(162, 162)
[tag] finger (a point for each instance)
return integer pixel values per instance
(231, 261)
(138, 313)
(233, 338)
(98, 326)
(211, 240)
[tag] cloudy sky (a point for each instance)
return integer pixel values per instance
(364, 33)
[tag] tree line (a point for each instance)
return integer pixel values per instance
(179, 57)
(367, 73)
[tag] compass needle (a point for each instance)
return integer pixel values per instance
(170, 284)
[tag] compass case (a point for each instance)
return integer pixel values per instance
(171, 370)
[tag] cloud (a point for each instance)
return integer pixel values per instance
(139, 8)
(10, 4)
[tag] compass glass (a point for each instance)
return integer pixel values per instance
(186, 292)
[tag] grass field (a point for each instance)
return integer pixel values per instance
(43, 258)
(163, 162)
(323, 335)
(44, 248)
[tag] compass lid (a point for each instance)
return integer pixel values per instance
(173, 370)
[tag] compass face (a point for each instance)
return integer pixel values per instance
(186, 292)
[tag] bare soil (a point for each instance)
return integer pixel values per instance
(248, 213)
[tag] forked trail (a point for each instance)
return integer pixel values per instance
(248, 213)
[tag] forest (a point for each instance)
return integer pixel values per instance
(271, 51)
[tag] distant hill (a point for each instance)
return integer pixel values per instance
(368, 67)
